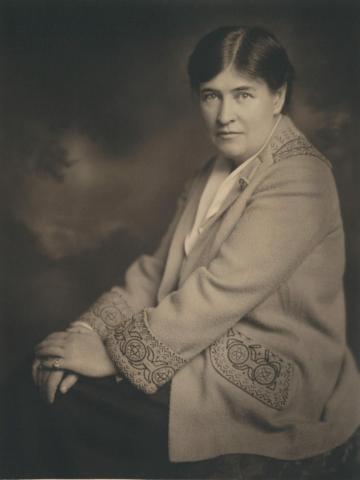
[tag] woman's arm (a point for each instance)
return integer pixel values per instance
(109, 311)
(141, 285)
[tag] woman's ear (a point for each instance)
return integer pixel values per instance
(279, 99)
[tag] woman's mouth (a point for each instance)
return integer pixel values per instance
(226, 134)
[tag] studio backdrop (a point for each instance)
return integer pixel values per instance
(99, 132)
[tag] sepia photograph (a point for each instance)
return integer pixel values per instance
(180, 239)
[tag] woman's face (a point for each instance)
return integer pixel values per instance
(239, 112)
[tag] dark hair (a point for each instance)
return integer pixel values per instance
(251, 50)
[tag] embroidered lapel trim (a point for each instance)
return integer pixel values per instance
(288, 141)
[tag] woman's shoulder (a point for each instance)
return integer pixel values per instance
(293, 166)
(288, 142)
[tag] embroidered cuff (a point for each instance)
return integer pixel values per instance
(107, 313)
(253, 368)
(140, 356)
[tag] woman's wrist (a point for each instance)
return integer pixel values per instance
(108, 313)
(82, 323)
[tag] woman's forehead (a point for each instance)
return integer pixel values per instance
(231, 78)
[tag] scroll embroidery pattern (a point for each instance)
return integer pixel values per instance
(146, 362)
(253, 368)
(295, 147)
(107, 313)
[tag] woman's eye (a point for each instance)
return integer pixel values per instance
(242, 96)
(209, 97)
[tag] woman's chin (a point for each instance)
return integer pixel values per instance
(232, 153)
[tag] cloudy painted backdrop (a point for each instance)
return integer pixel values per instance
(99, 131)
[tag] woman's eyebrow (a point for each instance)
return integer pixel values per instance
(208, 89)
(243, 88)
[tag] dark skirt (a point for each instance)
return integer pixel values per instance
(105, 429)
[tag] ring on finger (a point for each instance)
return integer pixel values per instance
(57, 364)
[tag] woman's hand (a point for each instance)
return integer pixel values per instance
(50, 380)
(80, 352)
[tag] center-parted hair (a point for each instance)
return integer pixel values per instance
(253, 51)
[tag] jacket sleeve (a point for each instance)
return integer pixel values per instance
(288, 214)
(142, 280)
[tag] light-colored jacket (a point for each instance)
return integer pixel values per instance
(250, 327)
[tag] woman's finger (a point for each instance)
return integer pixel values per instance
(40, 377)
(68, 382)
(50, 351)
(57, 338)
(78, 329)
(54, 363)
(51, 343)
(43, 376)
(36, 366)
(51, 386)
(62, 334)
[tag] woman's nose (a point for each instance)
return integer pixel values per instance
(226, 113)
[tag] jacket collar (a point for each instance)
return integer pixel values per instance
(289, 141)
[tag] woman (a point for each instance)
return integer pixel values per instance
(240, 311)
